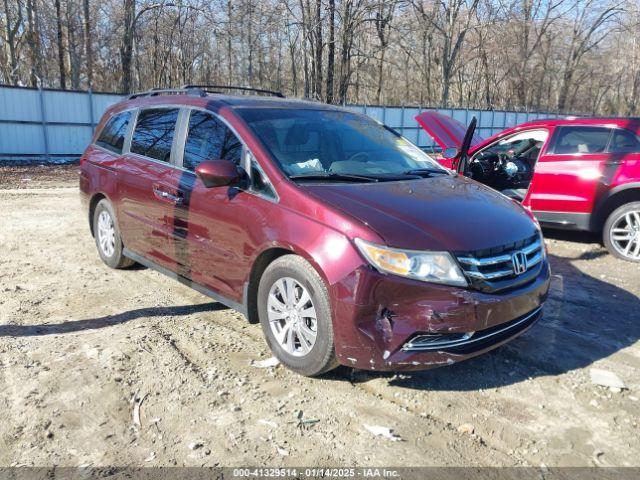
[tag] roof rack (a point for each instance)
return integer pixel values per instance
(188, 90)
(214, 88)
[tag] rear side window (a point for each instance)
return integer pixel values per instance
(154, 132)
(209, 139)
(571, 140)
(624, 141)
(114, 131)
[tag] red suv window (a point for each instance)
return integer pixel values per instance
(624, 141)
(573, 140)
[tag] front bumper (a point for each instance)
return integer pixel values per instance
(386, 322)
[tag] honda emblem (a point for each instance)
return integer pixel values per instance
(519, 262)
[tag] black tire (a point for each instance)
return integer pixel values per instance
(321, 358)
(116, 259)
(614, 218)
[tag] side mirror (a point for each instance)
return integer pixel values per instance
(450, 152)
(218, 173)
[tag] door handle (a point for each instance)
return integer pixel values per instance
(167, 196)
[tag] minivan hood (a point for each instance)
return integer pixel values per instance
(436, 213)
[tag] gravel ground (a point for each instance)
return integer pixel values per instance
(112, 368)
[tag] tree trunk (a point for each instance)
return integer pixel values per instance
(250, 44)
(12, 31)
(332, 50)
(318, 53)
(380, 78)
(229, 44)
(88, 47)
(60, 38)
(74, 55)
(33, 40)
(563, 94)
(126, 47)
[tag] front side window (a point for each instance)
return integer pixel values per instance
(114, 132)
(260, 183)
(333, 143)
(624, 141)
(524, 145)
(208, 138)
(154, 132)
(574, 140)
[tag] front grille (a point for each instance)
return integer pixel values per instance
(492, 270)
(469, 342)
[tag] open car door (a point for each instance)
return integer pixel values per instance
(446, 132)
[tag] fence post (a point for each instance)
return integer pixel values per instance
(43, 119)
(91, 122)
(493, 127)
(420, 129)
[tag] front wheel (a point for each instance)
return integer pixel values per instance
(621, 233)
(295, 314)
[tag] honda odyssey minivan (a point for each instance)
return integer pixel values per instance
(347, 243)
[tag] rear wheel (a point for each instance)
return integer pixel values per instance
(107, 236)
(295, 314)
(621, 233)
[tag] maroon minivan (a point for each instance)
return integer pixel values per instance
(346, 242)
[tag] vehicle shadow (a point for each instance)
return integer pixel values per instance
(572, 235)
(587, 238)
(586, 319)
(72, 326)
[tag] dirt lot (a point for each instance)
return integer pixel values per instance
(85, 351)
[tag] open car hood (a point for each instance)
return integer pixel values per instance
(446, 131)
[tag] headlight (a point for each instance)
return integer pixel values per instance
(543, 245)
(437, 267)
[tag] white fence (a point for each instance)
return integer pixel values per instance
(55, 126)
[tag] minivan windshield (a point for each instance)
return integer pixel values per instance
(336, 145)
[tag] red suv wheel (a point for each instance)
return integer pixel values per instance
(621, 232)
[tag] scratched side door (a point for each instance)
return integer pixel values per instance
(146, 197)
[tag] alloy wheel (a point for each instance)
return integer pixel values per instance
(106, 233)
(292, 316)
(625, 235)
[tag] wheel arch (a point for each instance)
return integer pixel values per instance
(260, 264)
(93, 202)
(615, 198)
(267, 256)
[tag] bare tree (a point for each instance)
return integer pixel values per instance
(60, 38)
(588, 31)
(12, 28)
(332, 51)
(33, 40)
(384, 15)
(88, 46)
(578, 55)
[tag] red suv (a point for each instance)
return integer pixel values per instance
(575, 173)
(345, 241)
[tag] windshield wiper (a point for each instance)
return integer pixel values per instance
(426, 172)
(333, 176)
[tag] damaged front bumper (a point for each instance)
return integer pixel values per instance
(385, 322)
